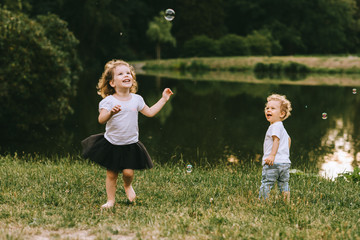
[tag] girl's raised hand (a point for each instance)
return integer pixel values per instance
(167, 93)
(115, 109)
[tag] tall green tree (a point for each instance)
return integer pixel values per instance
(159, 31)
(195, 18)
(39, 71)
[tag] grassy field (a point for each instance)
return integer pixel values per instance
(315, 64)
(60, 198)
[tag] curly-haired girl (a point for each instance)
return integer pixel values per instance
(119, 149)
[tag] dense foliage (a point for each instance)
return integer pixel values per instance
(111, 28)
(39, 71)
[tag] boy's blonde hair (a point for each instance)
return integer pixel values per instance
(104, 88)
(285, 105)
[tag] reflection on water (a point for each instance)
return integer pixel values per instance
(343, 156)
(217, 121)
(336, 163)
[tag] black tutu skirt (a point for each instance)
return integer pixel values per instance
(116, 157)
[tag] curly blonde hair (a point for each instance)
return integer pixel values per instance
(285, 105)
(104, 88)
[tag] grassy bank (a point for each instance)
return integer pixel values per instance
(313, 64)
(61, 198)
(345, 80)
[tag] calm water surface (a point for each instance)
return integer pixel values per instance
(220, 121)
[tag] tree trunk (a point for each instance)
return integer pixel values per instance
(158, 51)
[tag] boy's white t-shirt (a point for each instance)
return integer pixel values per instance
(122, 128)
(283, 153)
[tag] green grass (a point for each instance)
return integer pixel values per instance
(61, 197)
(312, 64)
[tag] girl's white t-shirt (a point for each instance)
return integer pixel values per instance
(122, 128)
(283, 153)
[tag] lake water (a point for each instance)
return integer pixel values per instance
(219, 119)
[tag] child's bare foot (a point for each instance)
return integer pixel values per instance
(130, 193)
(108, 204)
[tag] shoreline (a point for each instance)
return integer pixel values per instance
(315, 64)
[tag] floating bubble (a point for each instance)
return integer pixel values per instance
(189, 168)
(324, 115)
(354, 91)
(169, 14)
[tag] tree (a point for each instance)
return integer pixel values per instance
(110, 29)
(234, 45)
(195, 18)
(201, 46)
(39, 71)
(329, 26)
(301, 26)
(159, 31)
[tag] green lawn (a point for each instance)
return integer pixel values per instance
(60, 198)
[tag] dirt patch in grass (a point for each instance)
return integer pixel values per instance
(32, 233)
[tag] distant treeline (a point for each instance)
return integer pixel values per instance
(117, 28)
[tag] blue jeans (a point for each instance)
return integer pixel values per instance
(279, 173)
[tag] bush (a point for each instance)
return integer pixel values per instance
(275, 68)
(259, 44)
(294, 67)
(201, 46)
(292, 70)
(261, 68)
(233, 45)
(39, 71)
(198, 66)
(262, 43)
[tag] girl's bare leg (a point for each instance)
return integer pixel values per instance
(128, 176)
(111, 178)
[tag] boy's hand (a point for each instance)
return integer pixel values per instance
(270, 160)
(167, 93)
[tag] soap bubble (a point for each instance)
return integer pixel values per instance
(354, 91)
(324, 115)
(169, 14)
(189, 168)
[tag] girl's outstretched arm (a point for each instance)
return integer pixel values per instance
(154, 109)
